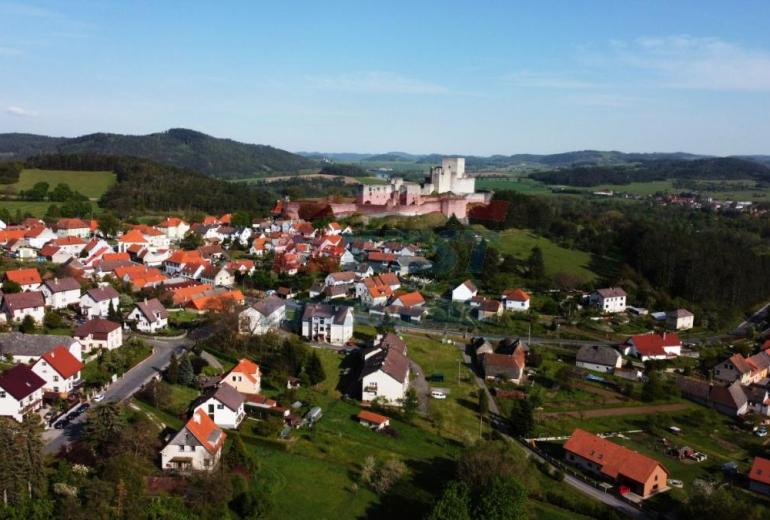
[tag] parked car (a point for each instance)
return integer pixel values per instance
(761, 432)
(98, 398)
(698, 456)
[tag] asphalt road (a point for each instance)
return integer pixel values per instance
(121, 389)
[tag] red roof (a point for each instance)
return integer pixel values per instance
(23, 276)
(63, 361)
(206, 431)
(517, 295)
(760, 470)
(613, 459)
(371, 417)
(69, 241)
(248, 368)
(133, 236)
(72, 223)
(411, 299)
(653, 344)
(185, 257)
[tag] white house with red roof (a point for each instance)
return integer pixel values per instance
(752, 369)
(654, 346)
(516, 300)
(196, 447)
(73, 227)
(28, 279)
(21, 392)
(59, 369)
(245, 377)
(174, 228)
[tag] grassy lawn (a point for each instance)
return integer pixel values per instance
(456, 416)
(91, 184)
(36, 209)
(520, 184)
(519, 243)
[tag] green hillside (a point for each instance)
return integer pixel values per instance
(176, 147)
(91, 184)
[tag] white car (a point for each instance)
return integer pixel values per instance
(436, 394)
(98, 398)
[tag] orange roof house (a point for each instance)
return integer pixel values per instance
(185, 294)
(133, 236)
(759, 476)
(61, 360)
(217, 302)
(639, 473)
(517, 295)
(373, 420)
(24, 277)
(203, 428)
(244, 377)
(181, 256)
(411, 299)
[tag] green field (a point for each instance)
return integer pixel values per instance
(34, 208)
(91, 184)
(520, 184)
(519, 243)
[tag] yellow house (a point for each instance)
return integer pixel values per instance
(244, 377)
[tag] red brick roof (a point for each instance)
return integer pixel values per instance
(371, 417)
(760, 470)
(613, 459)
(24, 276)
(63, 361)
(206, 431)
(20, 381)
(653, 344)
(248, 368)
(411, 299)
(517, 295)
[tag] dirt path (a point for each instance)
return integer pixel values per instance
(628, 410)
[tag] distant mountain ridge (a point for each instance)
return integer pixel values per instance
(557, 160)
(179, 147)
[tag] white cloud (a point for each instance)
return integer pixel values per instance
(378, 83)
(694, 62)
(19, 111)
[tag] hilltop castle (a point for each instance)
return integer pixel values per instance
(447, 190)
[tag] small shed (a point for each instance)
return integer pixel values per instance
(373, 420)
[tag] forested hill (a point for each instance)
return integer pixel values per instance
(723, 168)
(176, 147)
(145, 186)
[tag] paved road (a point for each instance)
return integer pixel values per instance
(121, 389)
(755, 319)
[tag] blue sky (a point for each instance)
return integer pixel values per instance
(469, 77)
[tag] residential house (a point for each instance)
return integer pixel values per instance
(73, 227)
(218, 276)
(96, 302)
(262, 317)
(54, 254)
(59, 369)
(180, 258)
(464, 292)
(409, 264)
(680, 319)
(516, 300)
(245, 377)
(598, 358)
(642, 475)
(60, 293)
(385, 375)
(217, 300)
(174, 228)
(196, 447)
(73, 246)
(18, 306)
(610, 300)
(27, 348)
(745, 370)
(149, 316)
(28, 279)
(489, 309)
(729, 400)
(759, 476)
(410, 299)
(654, 345)
(340, 278)
(509, 367)
(21, 392)
(327, 324)
(373, 420)
(223, 405)
(132, 239)
(99, 334)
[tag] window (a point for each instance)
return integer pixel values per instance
(2, 395)
(220, 407)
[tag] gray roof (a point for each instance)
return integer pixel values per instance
(680, 313)
(56, 285)
(269, 305)
(225, 394)
(23, 300)
(321, 310)
(152, 307)
(101, 294)
(18, 344)
(390, 361)
(598, 355)
(611, 292)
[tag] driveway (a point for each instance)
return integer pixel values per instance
(131, 382)
(420, 385)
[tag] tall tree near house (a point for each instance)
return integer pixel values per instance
(191, 241)
(454, 504)
(22, 468)
(10, 287)
(109, 224)
(186, 372)
(172, 372)
(105, 422)
(28, 325)
(113, 314)
(314, 369)
(504, 499)
(522, 418)
(410, 404)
